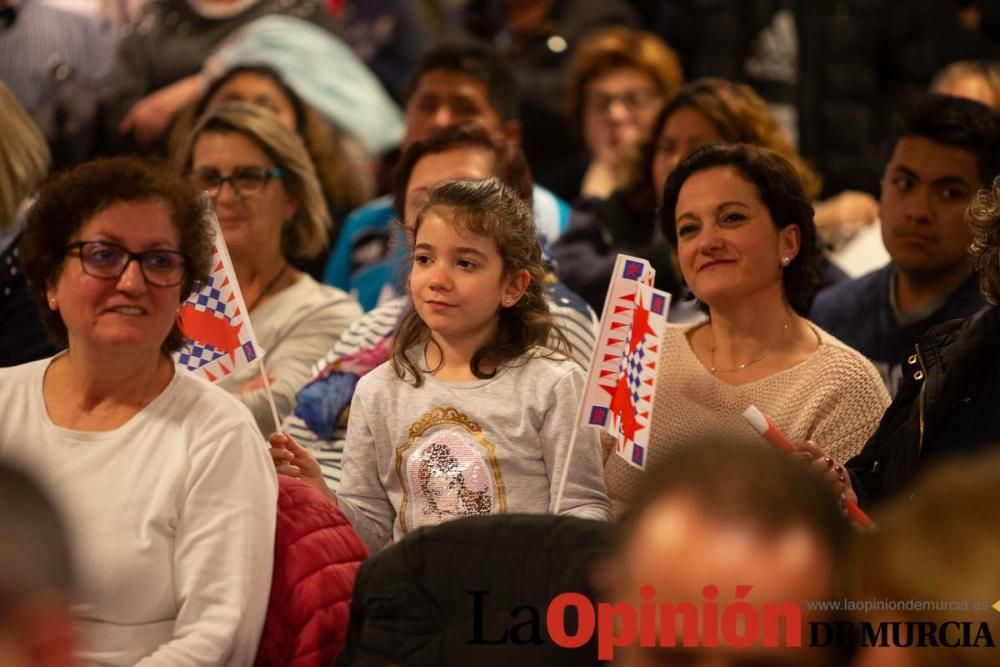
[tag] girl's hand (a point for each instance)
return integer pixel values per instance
(292, 459)
(834, 473)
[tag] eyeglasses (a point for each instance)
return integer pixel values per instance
(161, 268)
(632, 100)
(244, 180)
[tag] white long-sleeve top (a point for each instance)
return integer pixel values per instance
(171, 518)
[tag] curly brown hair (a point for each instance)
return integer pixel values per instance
(70, 199)
(741, 116)
(983, 217)
(489, 208)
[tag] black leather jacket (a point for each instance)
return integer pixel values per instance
(949, 403)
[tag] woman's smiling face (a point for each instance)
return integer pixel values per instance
(727, 243)
(123, 311)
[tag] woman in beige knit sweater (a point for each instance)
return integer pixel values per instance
(746, 245)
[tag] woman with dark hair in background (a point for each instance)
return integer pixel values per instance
(746, 246)
(712, 110)
(705, 111)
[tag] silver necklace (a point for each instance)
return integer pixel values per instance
(762, 357)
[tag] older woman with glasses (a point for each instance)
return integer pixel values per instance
(271, 209)
(164, 479)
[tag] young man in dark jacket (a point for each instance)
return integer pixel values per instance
(948, 402)
(944, 151)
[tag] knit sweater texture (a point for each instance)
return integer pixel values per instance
(835, 398)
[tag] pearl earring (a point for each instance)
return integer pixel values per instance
(785, 261)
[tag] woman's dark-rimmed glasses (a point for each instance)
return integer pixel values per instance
(102, 259)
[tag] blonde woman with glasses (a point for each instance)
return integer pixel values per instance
(272, 213)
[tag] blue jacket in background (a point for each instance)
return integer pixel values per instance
(859, 313)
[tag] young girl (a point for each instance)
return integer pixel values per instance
(473, 413)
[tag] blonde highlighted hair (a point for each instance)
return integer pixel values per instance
(24, 156)
(988, 72)
(306, 234)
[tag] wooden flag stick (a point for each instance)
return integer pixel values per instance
(270, 396)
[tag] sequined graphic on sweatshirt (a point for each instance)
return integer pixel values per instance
(448, 469)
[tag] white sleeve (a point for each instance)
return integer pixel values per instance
(585, 494)
(223, 551)
(361, 495)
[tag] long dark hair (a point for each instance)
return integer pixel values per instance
(489, 208)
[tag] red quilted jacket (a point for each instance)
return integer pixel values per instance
(316, 558)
